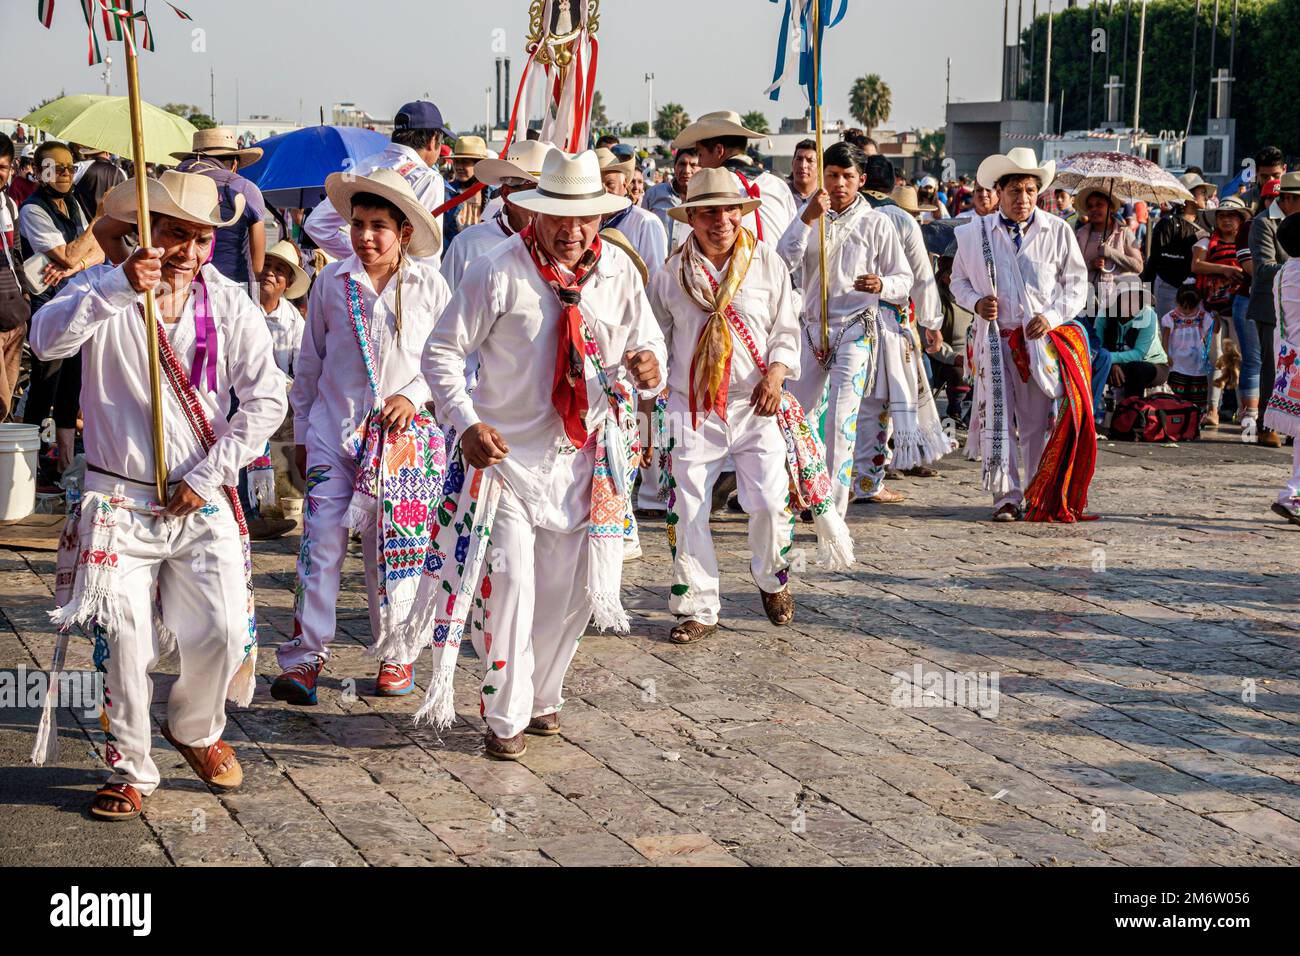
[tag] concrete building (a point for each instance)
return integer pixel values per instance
(976, 130)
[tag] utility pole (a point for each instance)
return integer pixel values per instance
(487, 115)
(1006, 7)
(107, 76)
(1191, 79)
(1020, 48)
(1214, 36)
(1092, 57)
(650, 109)
(1047, 72)
(1123, 94)
(212, 93)
(947, 91)
(1033, 32)
(1137, 91)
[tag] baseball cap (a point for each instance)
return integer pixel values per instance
(420, 114)
(622, 151)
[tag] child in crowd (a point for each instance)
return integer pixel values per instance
(1185, 332)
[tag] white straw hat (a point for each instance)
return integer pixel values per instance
(1021, 161)
(426, 239)
(711, 125)
(570, 186)
(522, 160)
(714, 187)
(188, 196)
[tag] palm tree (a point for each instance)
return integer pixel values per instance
(599, 118)
(870, 101)
(930, 148)
(672, 119)
(756, 121)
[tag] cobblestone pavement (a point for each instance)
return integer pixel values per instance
(1149, 696)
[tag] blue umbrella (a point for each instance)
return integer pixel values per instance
(294, 166)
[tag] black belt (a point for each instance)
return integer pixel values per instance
(135, 481)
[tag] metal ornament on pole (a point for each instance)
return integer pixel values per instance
(815, 23)
(146, 240)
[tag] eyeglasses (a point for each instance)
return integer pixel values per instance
(60, 169)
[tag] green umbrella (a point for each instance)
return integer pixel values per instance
(104, 122)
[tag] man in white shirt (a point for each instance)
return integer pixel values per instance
(866, 268)
(803, 173)
(187, 553)
(1022, 274)
(722, 398)
(418, 131)
(516, 172)
(553, 313)
(642, 228)
(720, 140)
(983, 201)
(388, 287)
(662, 197)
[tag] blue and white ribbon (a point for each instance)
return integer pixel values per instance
(798, 13)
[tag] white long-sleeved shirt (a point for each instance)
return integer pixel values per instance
(871, 247)
(331, 394)
(1047, 276)
(778, 206)
(505, 311)
(471, 243)
(925, 293)
(658, 199)
(646, 235)
(285, 323)
(329, 230)
(99, 314)
(764, 303)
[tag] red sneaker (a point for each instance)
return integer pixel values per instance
(395, 680)
(297, 685)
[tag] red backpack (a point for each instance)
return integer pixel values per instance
(1159, 418)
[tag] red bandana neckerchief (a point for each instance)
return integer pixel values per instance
(569, 386)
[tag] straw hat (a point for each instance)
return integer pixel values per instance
(522, 161)
(470, 147)
(905, 198)
(286, 252)
(188, 196)
(1192, 181)
(710, 125)
(713, 187)
(220, 141)
(1083, 195)
(1021, 161)
(426, 239)
(1233, 204)
(570, 186)
(609, 163)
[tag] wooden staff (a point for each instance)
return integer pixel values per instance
(815, 24)
(142, 221)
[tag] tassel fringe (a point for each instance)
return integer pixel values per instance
(439, 707)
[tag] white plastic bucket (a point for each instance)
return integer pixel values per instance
(19, 445)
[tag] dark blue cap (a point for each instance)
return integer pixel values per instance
(421, 115)
(622, 151)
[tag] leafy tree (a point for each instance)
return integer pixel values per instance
(200, 119)
(47, 101)
(599, 118)
(672, 119)
(870, 101)
(930, 149)
(756, 121)
(639, 129)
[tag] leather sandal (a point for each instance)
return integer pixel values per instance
(886, 496)
(544, 725)
(688, 632)
(779, 606)
(505, 748)
(205, 761)
(101, 805)
(921, 471)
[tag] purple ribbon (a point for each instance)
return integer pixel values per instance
(205, 339)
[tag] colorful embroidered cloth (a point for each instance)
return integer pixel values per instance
(261, 478)
(1283, 412)
(398, 482)
(1059, 489)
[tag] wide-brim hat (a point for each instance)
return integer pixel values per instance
(906, 199)
(1233, 204)
(286, 252)
(221, 142)
(570, 186)
(1083, 195)
(714, 187)
(522, 160)
(1192, 181)
(1289, 183)
(610, 163)
(470, 147)
(1021, 161)
(191, 197)
(426, 237)
(713, 125)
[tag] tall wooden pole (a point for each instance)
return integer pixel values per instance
(146, 240)
(815, 24)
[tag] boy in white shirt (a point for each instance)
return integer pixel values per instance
(1185, 332)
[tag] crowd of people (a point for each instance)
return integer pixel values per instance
(498, 372)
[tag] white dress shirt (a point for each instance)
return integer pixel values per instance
(645, 234)
(99, 314)
(286, 325)
(764, 303)
(505, 311)
(870, 247)
(331, 395)
(658, 199)
(1047, 276)
(777, 210)
(468, 244)
(925, 292)
(329, 230)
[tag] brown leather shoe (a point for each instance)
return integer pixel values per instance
(688, 632)
(779, 606)
(509, 748)
(1269, 439)
(544, 725)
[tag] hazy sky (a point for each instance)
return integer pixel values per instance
(705, 54)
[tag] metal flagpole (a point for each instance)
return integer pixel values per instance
(1137, 90)
(146, 240)
(1047, 71)
(814, 25)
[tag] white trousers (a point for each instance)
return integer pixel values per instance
(1290, 493)
(841, 405)
(320, 560)
(538, 607)
(197, 565)
(757, 448)
(1031, 417)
